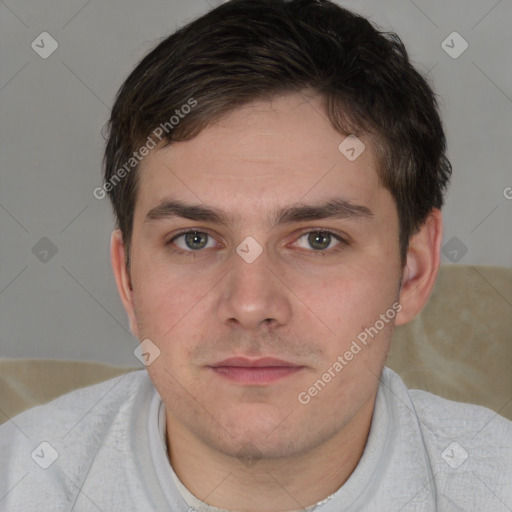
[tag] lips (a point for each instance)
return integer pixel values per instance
(263, 371)
(264, 362)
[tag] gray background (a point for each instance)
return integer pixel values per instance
(53, 110)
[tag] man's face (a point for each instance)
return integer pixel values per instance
(304, 299)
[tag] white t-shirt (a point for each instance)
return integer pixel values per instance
(102, 448)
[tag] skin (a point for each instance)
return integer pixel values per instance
(212, 305)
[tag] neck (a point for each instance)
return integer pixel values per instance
(270, 485)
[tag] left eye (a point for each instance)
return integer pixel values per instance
(320, 240)
(192, 238)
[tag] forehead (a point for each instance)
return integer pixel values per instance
(265, 154)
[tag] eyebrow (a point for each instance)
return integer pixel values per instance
(336, 208)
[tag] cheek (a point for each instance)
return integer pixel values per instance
(353, 297)
(163, 300)
(351, 307)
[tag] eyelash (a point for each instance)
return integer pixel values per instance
(320, 252)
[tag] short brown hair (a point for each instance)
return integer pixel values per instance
(247, 50)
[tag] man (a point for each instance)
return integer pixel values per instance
(277, 171)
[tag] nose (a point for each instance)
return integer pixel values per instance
(253, 297)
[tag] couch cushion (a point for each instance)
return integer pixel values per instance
(25, 383)
(460, 346)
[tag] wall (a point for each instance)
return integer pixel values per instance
(63, 303)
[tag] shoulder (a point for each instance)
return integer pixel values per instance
(445, 420)
(84, 404)
(469, 448)
(70, 429)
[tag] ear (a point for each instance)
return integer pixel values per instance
(422, 267)
(123, 279)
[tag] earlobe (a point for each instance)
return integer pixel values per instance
(422, 267)
(122, 277)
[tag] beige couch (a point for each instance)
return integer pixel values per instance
(459, 347)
